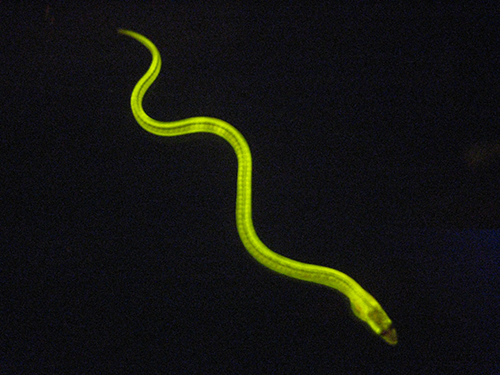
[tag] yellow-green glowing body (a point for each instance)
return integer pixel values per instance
(364, 306)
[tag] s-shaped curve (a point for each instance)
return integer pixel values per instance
(364, 306)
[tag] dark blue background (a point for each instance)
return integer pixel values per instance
(376, 143)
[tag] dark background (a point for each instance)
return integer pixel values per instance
(376, 143)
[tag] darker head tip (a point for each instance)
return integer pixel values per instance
(390, 336)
